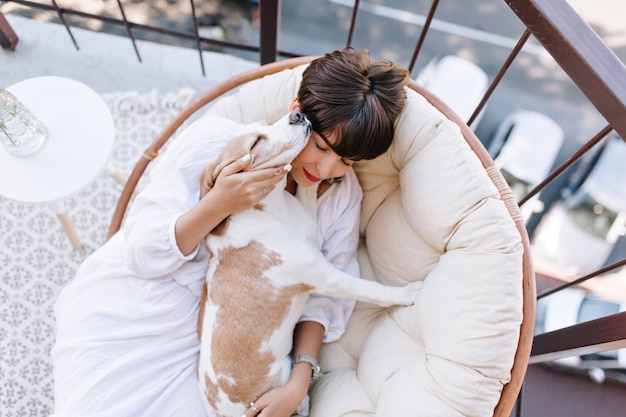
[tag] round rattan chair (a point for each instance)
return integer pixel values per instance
(511, 390)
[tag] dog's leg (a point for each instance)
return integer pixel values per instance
(340, 284)
(330, 281)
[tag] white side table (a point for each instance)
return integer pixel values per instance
(80, 142)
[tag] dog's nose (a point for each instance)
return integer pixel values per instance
(297, 117)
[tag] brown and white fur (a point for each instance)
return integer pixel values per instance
(263, 264)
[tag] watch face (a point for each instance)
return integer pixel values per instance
(315, 374)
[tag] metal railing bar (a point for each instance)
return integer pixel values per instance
(569, 162)
(425, 29)
(445, 27)
(286, 54)
(355, 11)
(60, 12)
(518, 47)
(205, 42)
(128, 29)
(160, 30)
(594, 336)
(139, 26)
(73, 12)
(582, 279)
(197, 35)
(579, 51)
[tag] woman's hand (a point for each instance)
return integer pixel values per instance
(237, 190)
(282, 401)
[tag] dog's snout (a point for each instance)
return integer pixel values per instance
(297, 117)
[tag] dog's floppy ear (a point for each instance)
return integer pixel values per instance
(236, 148)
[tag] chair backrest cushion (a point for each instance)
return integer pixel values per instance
(430, 213)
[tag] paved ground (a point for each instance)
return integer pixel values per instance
(547, 393)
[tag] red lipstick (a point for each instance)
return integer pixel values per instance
(310, 177)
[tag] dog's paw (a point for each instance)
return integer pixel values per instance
(410, 292)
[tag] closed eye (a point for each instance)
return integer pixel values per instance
(345, 161)
(320, 147)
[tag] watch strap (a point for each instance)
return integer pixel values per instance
(315, 365)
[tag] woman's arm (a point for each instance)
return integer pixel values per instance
(307, 337)
(233, 192)
(285, 399)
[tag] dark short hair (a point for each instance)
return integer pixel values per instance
(356, 95)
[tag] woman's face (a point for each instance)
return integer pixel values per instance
(317, 161)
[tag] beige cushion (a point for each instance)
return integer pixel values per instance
(429, 213)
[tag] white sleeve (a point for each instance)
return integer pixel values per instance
(173, 189)
(338, 224)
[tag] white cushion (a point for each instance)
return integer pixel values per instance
(430, 213)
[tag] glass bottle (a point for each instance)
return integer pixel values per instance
(21, 133)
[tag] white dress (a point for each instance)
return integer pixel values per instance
(127, 341)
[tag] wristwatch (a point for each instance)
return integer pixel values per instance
(315, 365)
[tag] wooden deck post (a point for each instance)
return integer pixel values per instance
(8, 38)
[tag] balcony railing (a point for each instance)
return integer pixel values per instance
(574, 46)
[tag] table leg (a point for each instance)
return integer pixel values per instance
(66, 223)
(119, 176)
(116, 174)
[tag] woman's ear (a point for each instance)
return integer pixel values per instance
(295, 104)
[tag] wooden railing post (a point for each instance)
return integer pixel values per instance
(595, 336)
(270, 22)
(580, 52)
(8, 38)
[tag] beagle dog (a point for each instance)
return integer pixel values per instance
(263, 264)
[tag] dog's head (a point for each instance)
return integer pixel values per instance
(272, 145)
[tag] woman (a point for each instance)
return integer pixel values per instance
(126, 326)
